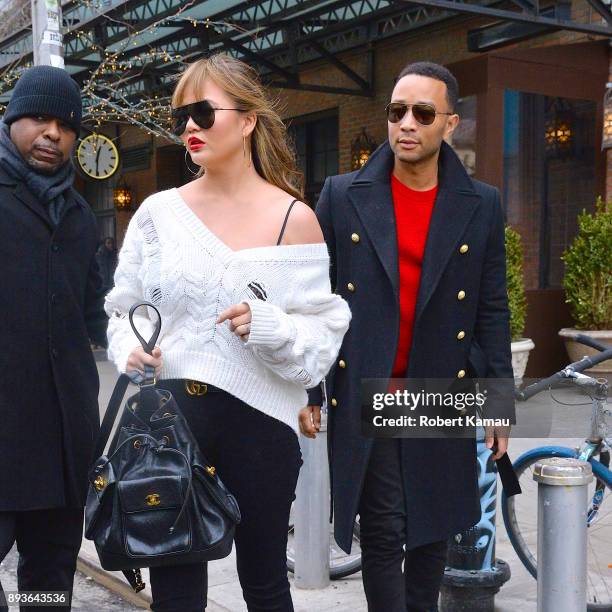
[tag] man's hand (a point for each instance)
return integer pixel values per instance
(310, 421)
(240, 319)
(496, 438)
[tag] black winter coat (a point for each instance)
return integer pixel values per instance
(51, 303)
(440, 475)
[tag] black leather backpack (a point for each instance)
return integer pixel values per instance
(153, 499)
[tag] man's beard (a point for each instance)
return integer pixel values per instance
(42, 168)
(426, 156)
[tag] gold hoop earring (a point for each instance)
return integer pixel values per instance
(187, 164)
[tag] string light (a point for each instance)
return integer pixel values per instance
(104, 100)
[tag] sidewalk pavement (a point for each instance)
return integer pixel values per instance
(225, 595)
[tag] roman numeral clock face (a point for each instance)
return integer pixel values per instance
(98, 156)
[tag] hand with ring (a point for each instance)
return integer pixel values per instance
(239, 316)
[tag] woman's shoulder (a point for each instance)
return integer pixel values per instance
(302, 226)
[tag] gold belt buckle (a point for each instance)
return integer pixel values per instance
(195, 388)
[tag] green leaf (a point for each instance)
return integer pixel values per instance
(515, 282)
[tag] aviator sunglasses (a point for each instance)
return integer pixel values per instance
(203, 113)
(425, 114)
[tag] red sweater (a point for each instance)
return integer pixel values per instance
(412, 216)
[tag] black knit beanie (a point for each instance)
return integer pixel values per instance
(45, 90)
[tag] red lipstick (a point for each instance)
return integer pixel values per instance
(195, 143)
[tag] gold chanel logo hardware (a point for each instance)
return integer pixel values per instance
(167, 414)
(165, 440)
(153, 499)
(195, 388)
(211, 470)
(99, 483)
(137, 443)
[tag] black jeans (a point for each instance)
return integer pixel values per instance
(383, 529)
(258, 458)
(48, 542)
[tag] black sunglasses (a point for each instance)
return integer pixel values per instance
(425, 114)
(203, 113)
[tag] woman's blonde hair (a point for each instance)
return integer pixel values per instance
(273, 157)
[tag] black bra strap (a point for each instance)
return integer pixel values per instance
(280, 237)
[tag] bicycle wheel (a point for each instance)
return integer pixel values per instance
(520, 514)
(341, 565)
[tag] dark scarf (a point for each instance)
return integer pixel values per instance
(50, 189)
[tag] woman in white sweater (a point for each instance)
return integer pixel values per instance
(236, 264)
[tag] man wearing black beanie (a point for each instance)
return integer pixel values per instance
(51, 306)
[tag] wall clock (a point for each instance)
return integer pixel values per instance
(98, 156)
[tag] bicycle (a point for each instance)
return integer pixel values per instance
(521, 520)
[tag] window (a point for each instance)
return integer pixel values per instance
(316, 144)
(463, 139)
(99, 195)
(549, 176)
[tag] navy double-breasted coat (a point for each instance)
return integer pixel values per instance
(357, 217)
(51, 303)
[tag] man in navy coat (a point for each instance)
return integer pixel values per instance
(411, 494)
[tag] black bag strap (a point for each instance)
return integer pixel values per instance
(146, 381)
(111, 414)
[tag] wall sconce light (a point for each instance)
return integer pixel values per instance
(361, 149)
(559, 133)
(606, 141)
(122, 196)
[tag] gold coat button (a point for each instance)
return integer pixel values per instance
(463, 249)
(350, 287)
(461, 335)
(355, 238)
(460, 373)
(334, 402)
(461, 295)
(342, 363)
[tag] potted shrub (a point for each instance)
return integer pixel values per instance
(588, 283)
(517, 303)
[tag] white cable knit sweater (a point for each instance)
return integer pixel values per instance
(171, 259)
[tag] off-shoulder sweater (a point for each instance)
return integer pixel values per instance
(171, 259)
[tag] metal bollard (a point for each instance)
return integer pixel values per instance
(562, 533)
(311, 529)
(473, 574)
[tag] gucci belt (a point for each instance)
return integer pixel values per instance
(197, 388)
